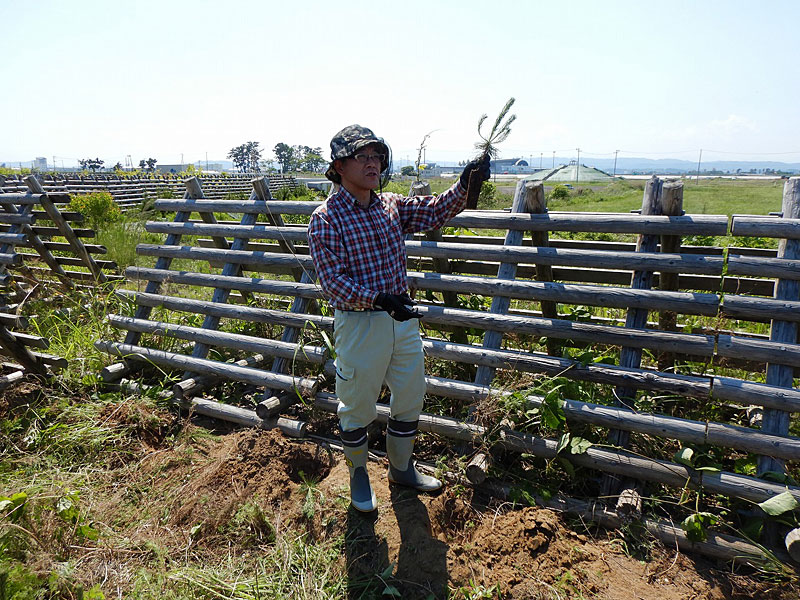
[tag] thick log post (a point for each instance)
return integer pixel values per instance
(507, 271)
(671, 205)
(776, 421)
(537, 204)
(792, 542)
(637, 318)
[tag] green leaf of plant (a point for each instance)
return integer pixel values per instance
(390, 590)
(194, 532)
(563, 442)
(695, 525)
(67, 510)
(522, 496)
(777, 505)
(387, 572)
(13, 507)
(579, 445)
(553, 415)
(684, 456)
(752, 528)
(88, 532)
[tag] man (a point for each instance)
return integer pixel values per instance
(356, 239)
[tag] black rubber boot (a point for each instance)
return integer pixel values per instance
(400, 436)
(356, 453)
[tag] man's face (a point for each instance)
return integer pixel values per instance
(358, 176)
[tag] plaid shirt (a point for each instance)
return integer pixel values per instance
(359, 252)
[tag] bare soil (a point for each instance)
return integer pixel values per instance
(453, 543)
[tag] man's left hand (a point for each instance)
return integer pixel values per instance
(481, 164)
(399, 306)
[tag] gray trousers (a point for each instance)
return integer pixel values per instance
(372, 348)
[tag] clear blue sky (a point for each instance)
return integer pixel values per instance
(147, 78)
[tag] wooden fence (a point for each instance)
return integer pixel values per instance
(129, 192)
(38, 246)
(689, 309)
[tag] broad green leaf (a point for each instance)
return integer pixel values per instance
(579, 445)
(684, 456)
(194, 532)
(777, 505)
(522, 496)
(88, 532)
(67, 509)
(552, 411)
(695, 525)
(753, 527)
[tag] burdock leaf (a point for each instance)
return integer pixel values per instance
(777, 505)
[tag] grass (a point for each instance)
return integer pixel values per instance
(74, 441)
(709, 196)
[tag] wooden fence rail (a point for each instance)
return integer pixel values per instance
(245, 260)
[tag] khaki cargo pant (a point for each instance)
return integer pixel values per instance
(372, 348)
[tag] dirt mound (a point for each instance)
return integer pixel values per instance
(145, 423)
(261, 466)
(248, 486)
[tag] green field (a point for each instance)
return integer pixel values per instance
(711, 196)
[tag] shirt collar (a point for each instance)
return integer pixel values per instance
(346, 195)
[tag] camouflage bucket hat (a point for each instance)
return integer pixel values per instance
(349, 141)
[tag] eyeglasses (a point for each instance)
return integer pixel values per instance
(365, 158)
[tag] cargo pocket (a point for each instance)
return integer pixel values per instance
(343, 372)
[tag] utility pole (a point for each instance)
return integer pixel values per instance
(54, 163)
(206, 161)
(181, 161)
(578, 166)
(541, 155)
(615, 162)
(554, 159)
(697, 178)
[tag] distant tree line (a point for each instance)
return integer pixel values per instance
(299, 158)
(247, 158)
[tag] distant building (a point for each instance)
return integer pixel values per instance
(171, 168)
(39, 164)
(570, 172)
(511, 165)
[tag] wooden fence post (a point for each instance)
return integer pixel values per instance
(492, 338)
(230, 269)
(163, 263)
(537, 204)
(35, 242)
(777, 421)
(631, 357)
(64, 228)
(671, 205)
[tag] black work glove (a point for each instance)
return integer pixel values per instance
(480, 164)
(397, 305)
